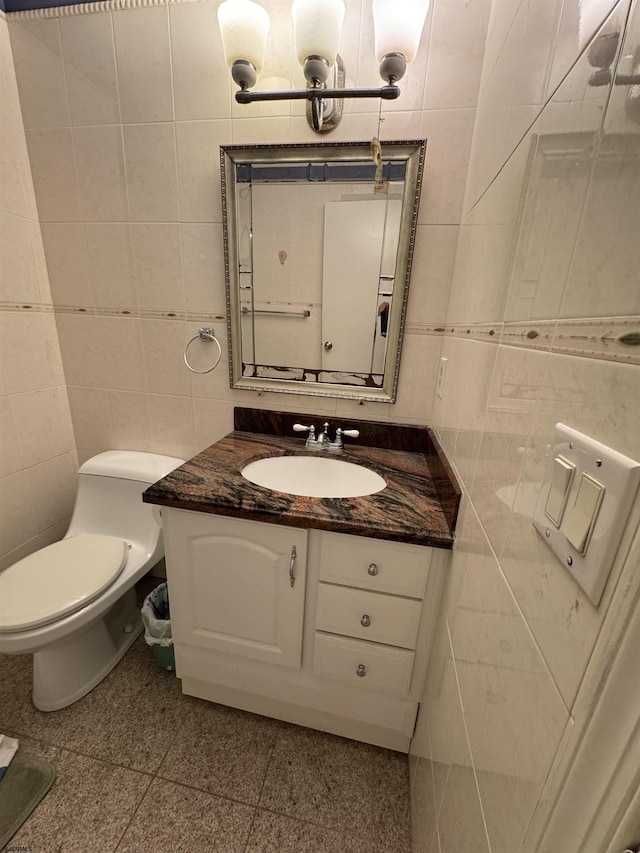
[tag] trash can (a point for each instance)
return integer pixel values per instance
(157, 626)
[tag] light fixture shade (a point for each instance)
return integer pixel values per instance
(244, 26)
(316, 28)
(398, 26)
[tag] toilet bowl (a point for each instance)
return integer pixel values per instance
(73, 604)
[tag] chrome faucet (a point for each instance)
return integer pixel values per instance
(322, 442)
(323, 438)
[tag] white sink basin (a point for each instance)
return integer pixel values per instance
(313, 477)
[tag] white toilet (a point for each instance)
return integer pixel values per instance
(73, 603)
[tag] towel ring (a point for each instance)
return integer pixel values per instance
(205, 334)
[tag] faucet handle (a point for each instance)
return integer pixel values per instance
(311, 438)
(351, 433)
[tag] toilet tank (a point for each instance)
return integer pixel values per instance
(109, 498)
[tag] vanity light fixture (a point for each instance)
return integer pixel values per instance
(244, 26)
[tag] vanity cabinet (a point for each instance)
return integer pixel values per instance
(344, 649)
(236, 587)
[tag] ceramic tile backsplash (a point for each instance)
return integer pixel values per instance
(38, 462)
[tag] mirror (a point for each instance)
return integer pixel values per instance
(318, 246)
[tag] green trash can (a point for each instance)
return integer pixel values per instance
(157, 627)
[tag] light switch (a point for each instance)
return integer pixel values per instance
(579, 524)
(561, 479)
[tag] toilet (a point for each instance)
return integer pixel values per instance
(73, 604)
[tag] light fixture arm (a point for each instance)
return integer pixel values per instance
(247, 96)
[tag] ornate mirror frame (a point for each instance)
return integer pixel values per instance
(235, 158)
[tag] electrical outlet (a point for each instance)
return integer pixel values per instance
(442, 375)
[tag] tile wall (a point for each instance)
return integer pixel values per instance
(37, 450)
(124, 112)
(544, 285)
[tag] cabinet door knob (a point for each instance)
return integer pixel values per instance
(361, 670)
(365, 621)
(373, 570)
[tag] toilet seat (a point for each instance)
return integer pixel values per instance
(58, 580)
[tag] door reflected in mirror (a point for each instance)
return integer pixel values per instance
(318, 248)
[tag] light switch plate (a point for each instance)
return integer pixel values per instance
(620, 476)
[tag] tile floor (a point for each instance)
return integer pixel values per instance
(140, 767)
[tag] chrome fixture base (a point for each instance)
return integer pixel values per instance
(393, 67)
(244, 73)
(316, 70)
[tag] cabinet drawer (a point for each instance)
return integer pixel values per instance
(364, 665)
(368, 615)
(374, 564)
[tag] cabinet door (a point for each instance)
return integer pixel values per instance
(230, 585)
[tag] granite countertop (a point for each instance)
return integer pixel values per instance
(416, 507)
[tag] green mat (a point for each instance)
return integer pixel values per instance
(22, 787)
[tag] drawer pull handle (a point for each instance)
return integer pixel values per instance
(365, 621)
(373, 570)
(292, 566)
(361, 670)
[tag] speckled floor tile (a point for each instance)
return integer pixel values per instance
(341, 784)
(221, 750)
(88, 807)
(274, 833)
(130, 718)
(175, 819)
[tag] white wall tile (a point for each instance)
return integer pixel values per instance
(163, 343)
(102, 352)
(157, 256)
(511, 405)
(213, 419)
(90, 418)
(203, 256)
(111, 269)
(37, 56)
(23, 346)
(67, 263)
(200, 74)
(17, 523)
(128, 420)
(152, 179)
(19, 280)
(10, 461)
(448, 134)
(433, 262)
(42, 413)
(171, 425)
(12, 195)
(144, 64)
(90, 68)
(417, 379)
(101, 172)
(513, 712)
(199, 168)
(52, 484)
(55, 179)
(456, 51)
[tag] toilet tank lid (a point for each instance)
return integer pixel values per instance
(131, 465)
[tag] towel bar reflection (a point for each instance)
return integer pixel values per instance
(304, 313)
(205, 334)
